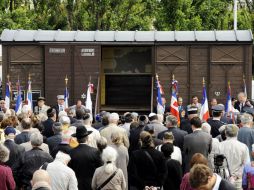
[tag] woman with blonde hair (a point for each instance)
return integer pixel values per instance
(108, 176)
(123, 155)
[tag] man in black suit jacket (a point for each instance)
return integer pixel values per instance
(24, 136)
(243, 102)
(16, 150)
(171, 124)
(56, 139)
(202, 177)
(48, 124)
(196, 142)
(84, 159)
(60, 104)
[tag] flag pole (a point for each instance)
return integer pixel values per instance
(203, 81)
(235, 14)
(66, 81)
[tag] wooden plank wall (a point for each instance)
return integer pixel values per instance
(78, 64)
(218, 64)
(19, 61)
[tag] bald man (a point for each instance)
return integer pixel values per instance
(41, 180)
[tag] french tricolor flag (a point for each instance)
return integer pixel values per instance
(7, 95)
(204, 112)
(18, 106)
(174, 105)
(29, 95)
(160, 107)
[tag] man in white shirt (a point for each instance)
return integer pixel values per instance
(237, 154)
(169, 138)
(62, 177)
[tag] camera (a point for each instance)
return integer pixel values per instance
(219, 160)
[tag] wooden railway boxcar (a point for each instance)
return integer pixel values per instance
(122, 64)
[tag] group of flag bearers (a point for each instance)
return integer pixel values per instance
(29, 95)
(204, 111)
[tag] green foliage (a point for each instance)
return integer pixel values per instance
(124, 14)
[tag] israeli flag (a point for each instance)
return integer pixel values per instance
(66, 98)
(29, 96)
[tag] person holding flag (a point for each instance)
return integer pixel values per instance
(174, 105)
(18, 106)
(29, 95)
(160, 106)
(204, 112)
(8, 93)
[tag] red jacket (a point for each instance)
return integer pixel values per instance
(6, 178)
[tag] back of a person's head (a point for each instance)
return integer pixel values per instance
(36, 139)
(196, 122)
(172, 120)
(231, 130)
(206, 127)
(113, 118)
(101, 143)
(246, 119)
(143, 120)
(65, 120)
(42, 177)
(128, 118)
(117, 138)
(198, 158)
(26, 123)
(79, 114)
(153, 118)
(146, 139)
(109, 156)
(63, 157)
(4, 153)
(167, 149)
(57, 127)
(5, 123)
(199, 175)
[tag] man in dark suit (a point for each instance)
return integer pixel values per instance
(84, 159)
(243, 102)
(60, 104)
(24, 136)
(196, 142)
(56, 139)
(171, 124)
(48, 124)
(16, 150)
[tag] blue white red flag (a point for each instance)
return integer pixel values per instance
(66, 98)
(204, 112)
(18, 106)
(229, 107)
(29, 95)
(7, 95)
(160, 107)
(174, 105)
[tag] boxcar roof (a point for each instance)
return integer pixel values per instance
(125, 36)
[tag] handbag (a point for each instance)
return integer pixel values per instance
(106, 181)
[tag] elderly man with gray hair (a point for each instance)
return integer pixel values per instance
(171, 124)
(246, 133)
(237, 154)
(31, 161)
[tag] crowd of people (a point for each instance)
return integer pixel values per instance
(58, 148)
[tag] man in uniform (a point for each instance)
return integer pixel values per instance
(215, 121)
(41, 108)
(185, 123)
